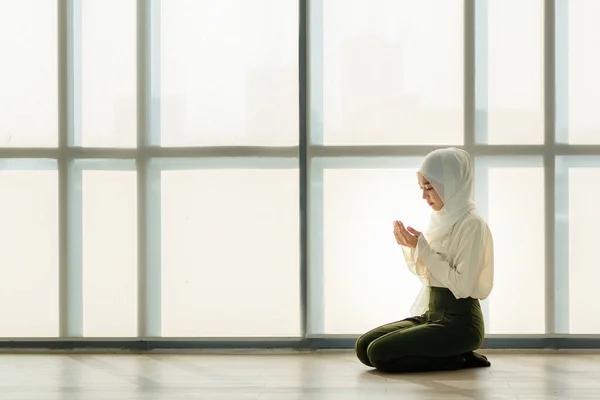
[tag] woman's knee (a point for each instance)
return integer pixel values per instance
(388, 359)
(363, 342)
(361, 346)
(379, 350)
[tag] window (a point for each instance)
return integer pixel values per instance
(29, 236)
(515, 212)
(169, 169)
(229, 73)
(108, 73)
(392, 72)
(109, 249)
(230, 257)
(28, 75)
(515, 70)
(359, 277)
(583, 81)
(583, 217)
(576, 217)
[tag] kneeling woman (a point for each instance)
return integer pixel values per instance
(454, 260)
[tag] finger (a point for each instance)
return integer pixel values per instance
(413, 231)
(399, 238)
(409, 230)
(398, 234)
(405, 235)
(403, 229)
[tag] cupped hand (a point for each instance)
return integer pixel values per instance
(406, 236)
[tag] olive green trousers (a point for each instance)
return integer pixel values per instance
(436, 340)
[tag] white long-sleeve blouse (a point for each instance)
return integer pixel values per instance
(462, 260)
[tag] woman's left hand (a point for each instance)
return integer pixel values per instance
(407, 237)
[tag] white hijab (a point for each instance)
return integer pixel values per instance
(450, 172)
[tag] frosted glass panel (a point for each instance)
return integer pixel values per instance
(584, 79)
(29, 259)
(229, 72)
(109, 216)
(365, 282)
(28, 73)
(230, 253)
(516, 218)
(515, 71)
(584, 220)
(109, 57)
(392, 72)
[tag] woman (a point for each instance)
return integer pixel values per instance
(454, 260)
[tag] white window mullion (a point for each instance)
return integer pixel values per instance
(560, 246)
(474, 86)
(550, 105)
(476, 105)
(481, 172)
(70, 266)
(479, 73)
(315, 291)
(560, 81)
(149, 266)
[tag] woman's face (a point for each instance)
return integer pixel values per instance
(429, 194)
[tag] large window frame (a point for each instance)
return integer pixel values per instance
(310, 79)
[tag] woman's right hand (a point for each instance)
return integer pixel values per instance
(397, 234)
(406, 237)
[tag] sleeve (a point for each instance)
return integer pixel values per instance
(414, 263)
(461, 274)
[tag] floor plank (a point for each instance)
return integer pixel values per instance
(293, 376)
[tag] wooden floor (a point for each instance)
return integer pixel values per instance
(270, 375)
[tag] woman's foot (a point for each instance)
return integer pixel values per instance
(475, 360)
